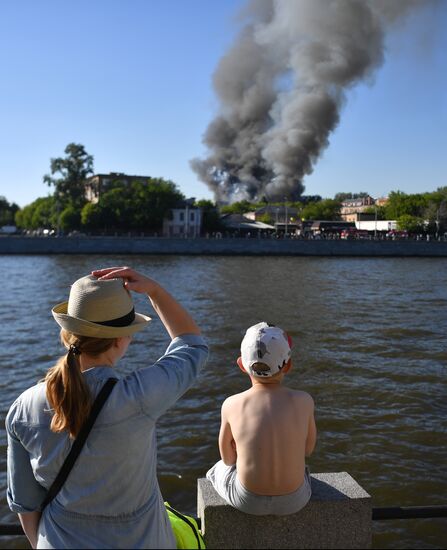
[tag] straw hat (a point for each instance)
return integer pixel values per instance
(102, 309)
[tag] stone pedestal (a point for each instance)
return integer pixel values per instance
(337, 516)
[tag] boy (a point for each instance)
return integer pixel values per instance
(266, 432)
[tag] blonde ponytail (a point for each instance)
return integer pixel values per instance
(67, 392)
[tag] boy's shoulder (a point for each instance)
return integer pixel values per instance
(232, 399)
(302, 396)
(300, 393)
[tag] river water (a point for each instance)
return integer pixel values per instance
(370, 347)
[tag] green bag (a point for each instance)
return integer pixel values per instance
(186, 530)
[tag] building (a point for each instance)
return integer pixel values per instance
(284, 219)
(381, 201)
(321, 227)
(376, 225)
(184, 220)
(276, 214)
(244, 225)
(351, 207)
(99, 183)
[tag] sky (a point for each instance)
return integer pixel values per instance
(131, 80)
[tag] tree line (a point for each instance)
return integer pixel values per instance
(141, 206)
(415, 213)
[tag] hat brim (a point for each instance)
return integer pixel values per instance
(95, 330)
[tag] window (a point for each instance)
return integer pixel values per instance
(191, 217)
(182, 216)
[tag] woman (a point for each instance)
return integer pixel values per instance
(111, 498)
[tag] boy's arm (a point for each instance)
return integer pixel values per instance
(227, 446)
(311, 431)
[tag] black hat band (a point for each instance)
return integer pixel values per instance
(120, 321)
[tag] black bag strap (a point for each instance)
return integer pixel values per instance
(76, 448)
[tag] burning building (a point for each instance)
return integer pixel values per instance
(281, 87)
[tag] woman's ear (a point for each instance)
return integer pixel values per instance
(122, 343)
(118, 341)
(240, 365)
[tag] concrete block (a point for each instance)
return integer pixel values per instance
(337, 516)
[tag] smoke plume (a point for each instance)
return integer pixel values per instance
(281, 88)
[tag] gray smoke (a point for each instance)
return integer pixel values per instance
(281, 87)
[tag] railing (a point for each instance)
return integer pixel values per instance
(409, 512)
(10, 530)
(378, 514)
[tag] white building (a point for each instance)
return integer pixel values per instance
(376, 225)
(185, 220)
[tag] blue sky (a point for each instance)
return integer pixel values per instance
(132, 81)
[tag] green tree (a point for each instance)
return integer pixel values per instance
(138, 206)
(436, 213)
(210, 216)
(306, 199)
(240, 207)
(381, 213)
(44, 215)
(327, 209)
(400, 204)
(412, 224)
(40, 214)
(115, 211)
(72, 169)
(70, 218)
(267, 218)
(151, 202)
(7, 212)
(92, 216)
(21, 218)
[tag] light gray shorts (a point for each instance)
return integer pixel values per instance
(225, 482)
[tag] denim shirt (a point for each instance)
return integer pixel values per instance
(111, 499)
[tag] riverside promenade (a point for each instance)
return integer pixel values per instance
(222, 246)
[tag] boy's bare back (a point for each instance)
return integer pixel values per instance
(268, 431)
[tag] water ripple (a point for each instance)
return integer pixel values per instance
(369, 339)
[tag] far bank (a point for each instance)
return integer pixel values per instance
(224, 246)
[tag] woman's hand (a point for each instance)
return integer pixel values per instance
(30, 525)
(133, 280)
(176, 320)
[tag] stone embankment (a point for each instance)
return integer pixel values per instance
(225, 246)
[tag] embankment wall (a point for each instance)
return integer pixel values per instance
(228, 246)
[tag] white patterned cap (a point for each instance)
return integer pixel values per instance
(265, 349)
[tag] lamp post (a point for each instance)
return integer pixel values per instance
(375, 222)
(285, 206)
(58, 214)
